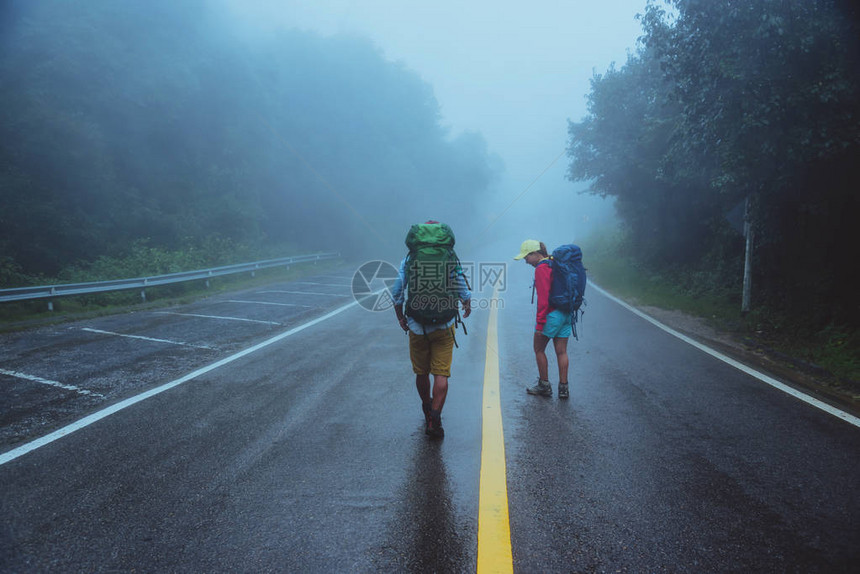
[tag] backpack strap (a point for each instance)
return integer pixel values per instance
(576, 316)
(458, 321)
(459, 271)
(461, 322)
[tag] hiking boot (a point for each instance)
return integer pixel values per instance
(542, 388)
(434, 425)
(563, 391)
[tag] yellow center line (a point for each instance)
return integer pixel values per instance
(494, 531)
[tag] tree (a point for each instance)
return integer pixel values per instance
(758, 100)
(123, 121)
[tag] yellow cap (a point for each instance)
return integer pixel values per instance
(528, 246)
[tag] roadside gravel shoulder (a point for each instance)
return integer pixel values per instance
(810, 378)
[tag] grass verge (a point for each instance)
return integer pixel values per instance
(832, 353)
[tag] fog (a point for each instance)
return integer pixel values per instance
(513, 72)
(224, 130)
(140, 137)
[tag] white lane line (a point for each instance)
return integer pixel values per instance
(142, 338)
(97, 416)
(36, 379)
(847, 417)
(270, 303)
(306, 293)
(216, 317)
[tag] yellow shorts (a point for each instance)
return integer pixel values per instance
(431, 353)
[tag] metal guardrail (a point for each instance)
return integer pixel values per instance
(51, 291)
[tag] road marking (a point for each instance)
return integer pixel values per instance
(216, 317)
(494, 531)
(36, 379)
(306, 293)
(829, 409)
(97, 416)
(142, 338)
(270, 303)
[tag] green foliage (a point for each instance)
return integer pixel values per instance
(144, 260)
(725, 101)
(837, 349)
(612, 264)
(11, 274)
(123, 121)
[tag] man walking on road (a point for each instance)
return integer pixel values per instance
(551, 323)
(432, 285)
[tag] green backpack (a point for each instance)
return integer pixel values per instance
(431, 292)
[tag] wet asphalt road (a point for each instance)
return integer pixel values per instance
(308, 455)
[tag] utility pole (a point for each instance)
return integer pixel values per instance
(749, 234)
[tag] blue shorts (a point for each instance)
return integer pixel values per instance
(557, 325)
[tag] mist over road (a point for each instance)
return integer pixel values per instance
(309, 455)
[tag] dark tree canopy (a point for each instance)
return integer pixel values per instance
(725, 101)
(121, 121)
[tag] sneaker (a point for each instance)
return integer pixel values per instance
(434, 426)
(563, 391)
(542, 388)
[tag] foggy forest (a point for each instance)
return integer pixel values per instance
(726, 103)
(152, 131)
(146, 125)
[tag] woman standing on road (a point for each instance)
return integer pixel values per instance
(550, 322)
